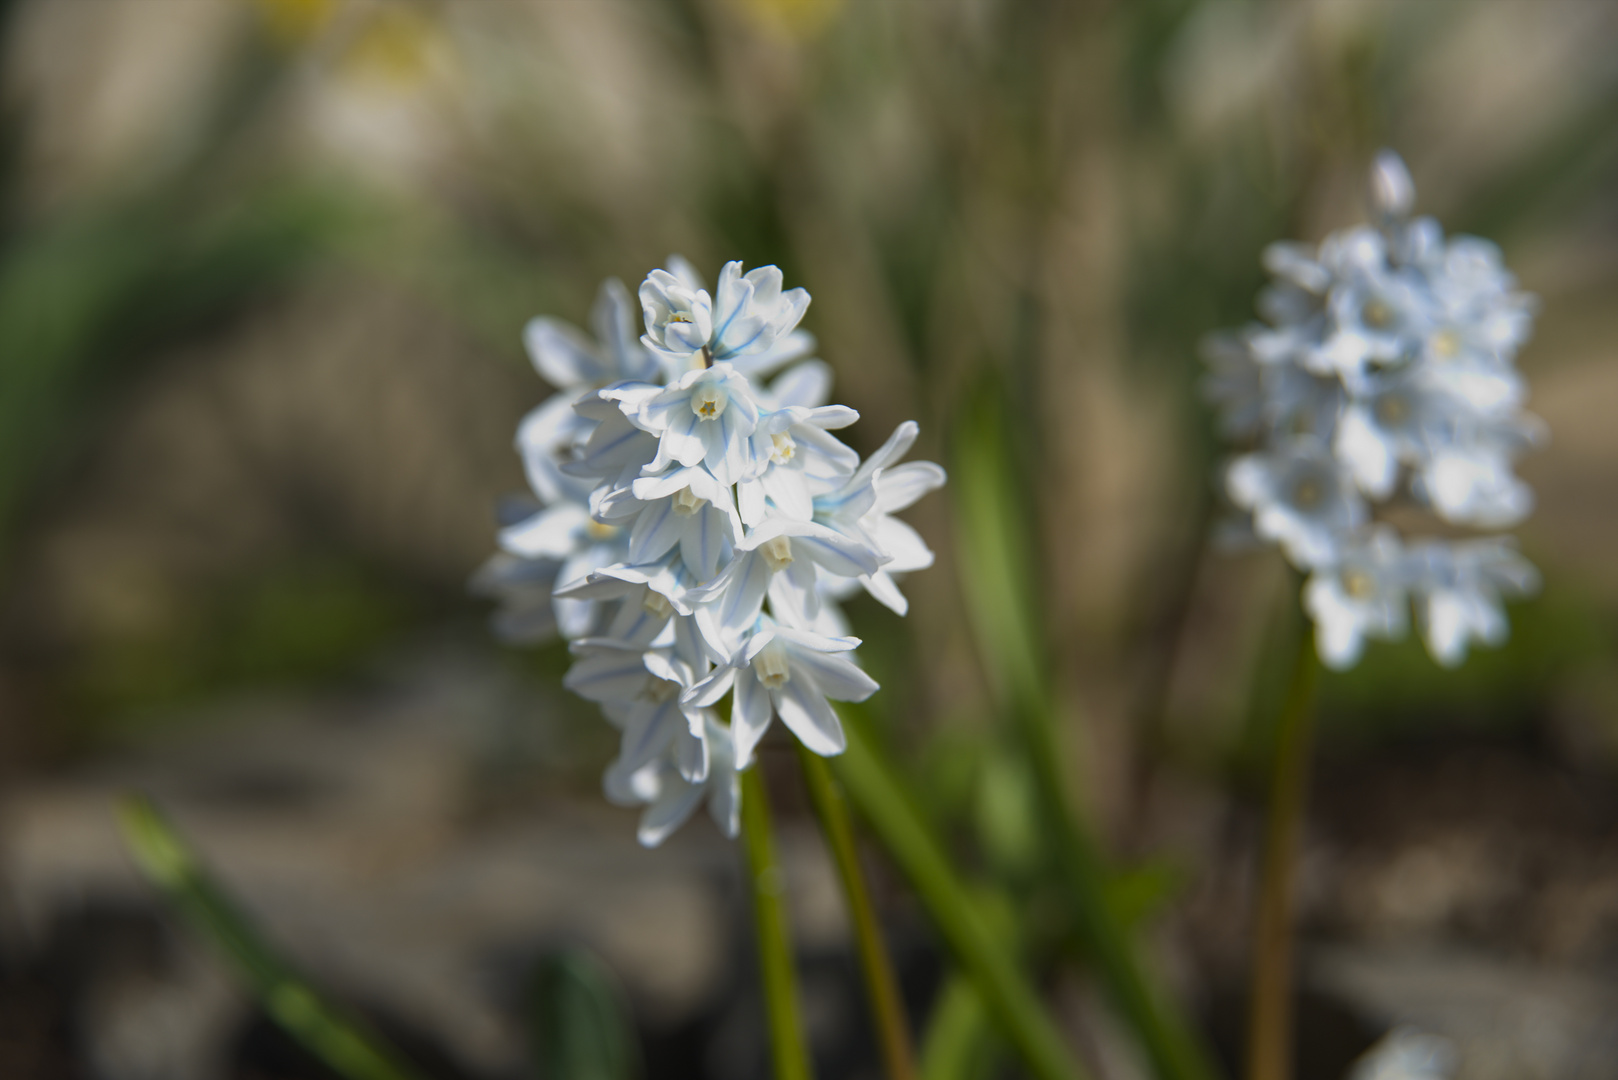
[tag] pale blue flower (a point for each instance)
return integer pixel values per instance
(1386, 368)
(670, 798)
(790, 673)
(748, 317)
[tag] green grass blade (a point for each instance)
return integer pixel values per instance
(1011, 1001)
(291, 1002)
(580, 1021)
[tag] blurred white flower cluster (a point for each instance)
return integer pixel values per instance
(698, 524)
(1407, 1053)
(1384, 373)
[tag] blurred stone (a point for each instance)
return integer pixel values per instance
(359, 830)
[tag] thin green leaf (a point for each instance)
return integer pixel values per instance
(336, 1038)
(580, 1020)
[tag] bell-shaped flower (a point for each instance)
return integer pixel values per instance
(797, 458)
(1459, 589)
(863, 508)
(648, 597)
(640, 690)
(526, 614)
(705, 418)
(670, 799)
(782, 559)
(685, 508)
(569, 360)
(1301, 497)
(1233, 384)
(566, 534)
(792, 673)
(748, 317)
(576, 366)
(1363, 596)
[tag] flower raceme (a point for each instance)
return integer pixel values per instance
(698, 524)
(1385, 367)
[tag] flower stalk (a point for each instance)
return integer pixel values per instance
(1011, 1000)
(1269, 1032)
(789, 1052)
(881, 985)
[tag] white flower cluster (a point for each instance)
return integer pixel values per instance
(698, 526)
(1385, 372)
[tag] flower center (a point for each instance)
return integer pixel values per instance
(771, 666)
(1377, 314)
(777, 552)
(1446, 344)
(1392, 409)
(782, 448)
(1308, 493)
(658, 690)
(657, 604)
(1358, 584)
(597, 530)
(687, 503)
(708, 401)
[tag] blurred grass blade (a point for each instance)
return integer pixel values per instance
(960, 1040)
(1012, 1002)
(581, 1023)
(291, 1002)
(997, 552)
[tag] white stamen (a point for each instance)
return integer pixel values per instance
(777, 552)
(687, 503)
(771, 665)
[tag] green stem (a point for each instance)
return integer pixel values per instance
(766, 882)
(1012, 1002)
(1175, 1052)
(999, 593)
(881, 986)
(1269, 1032)
(338, 1040)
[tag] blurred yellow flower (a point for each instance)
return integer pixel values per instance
(396, 46)
(293, 22)
(796, 18)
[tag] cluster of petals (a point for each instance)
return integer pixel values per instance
(696, 523)
(1384, 371)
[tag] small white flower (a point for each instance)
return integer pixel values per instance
(1301, 497)
(749, 317)
(1459, 589)
(706, 418)
(670, 798)
(1362, 596)
(1407, 1054)
(791, 673)
(795, 457)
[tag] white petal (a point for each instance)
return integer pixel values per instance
(900, 486)
(835, 674)
(552, 533)
(804, 709)
(749, 715)
(561, 353)
(668, 813)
